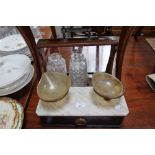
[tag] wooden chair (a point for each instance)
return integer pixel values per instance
(23, 96)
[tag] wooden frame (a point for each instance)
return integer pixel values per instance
(125, 34)
(116, 48)
(30, 40)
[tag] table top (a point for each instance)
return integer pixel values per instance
(139, 62)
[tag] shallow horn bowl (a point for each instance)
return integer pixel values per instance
(107, 85)
(53, 86)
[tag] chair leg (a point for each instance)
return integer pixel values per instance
(30, 93)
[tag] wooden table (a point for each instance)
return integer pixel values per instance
(139, 61)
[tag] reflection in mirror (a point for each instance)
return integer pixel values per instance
(12, 42)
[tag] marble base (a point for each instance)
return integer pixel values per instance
(83, 101)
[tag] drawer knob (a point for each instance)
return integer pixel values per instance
(80, 121)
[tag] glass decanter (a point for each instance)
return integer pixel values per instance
(78, 68)
(56, 63)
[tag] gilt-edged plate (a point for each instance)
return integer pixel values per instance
(20, 116)
(9, 115)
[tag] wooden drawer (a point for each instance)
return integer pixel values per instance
(82, 122)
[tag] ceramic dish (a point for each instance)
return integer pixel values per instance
(107, 86)
(13, 67)
(53, 86)
(26, 52)
(8, 113)
(12, 43)
(17, 82)
(13, 102)
(21, 116)
(18, 86)
(14, 52)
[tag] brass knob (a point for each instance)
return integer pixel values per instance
(80, 121)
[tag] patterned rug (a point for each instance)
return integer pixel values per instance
(151, 42)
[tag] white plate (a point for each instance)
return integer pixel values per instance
(14, 52)
(13, 67)
(17, 82)
(12, 43)
(17, 87)
(26, 52)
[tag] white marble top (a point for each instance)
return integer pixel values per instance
(83, 101)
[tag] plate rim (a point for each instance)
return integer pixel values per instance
(12, 36)
(9, 100)
(25, 70)
(29, 78)
(21, 116)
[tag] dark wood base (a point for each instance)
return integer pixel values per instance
(82, 122)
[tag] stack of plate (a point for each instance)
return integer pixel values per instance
(11, 114)
(14, 44)
(16, 72)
